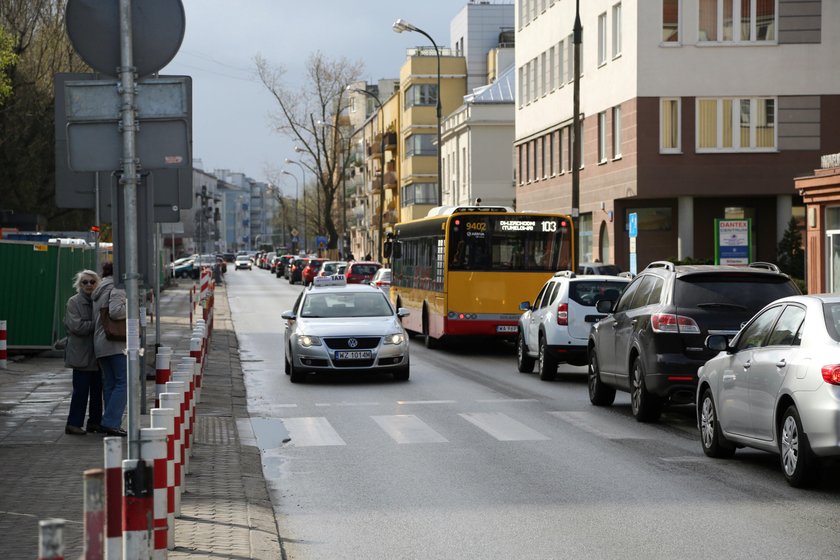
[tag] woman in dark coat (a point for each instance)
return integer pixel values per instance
(79, 355)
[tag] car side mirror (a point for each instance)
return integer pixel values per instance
(604, 305)
(717, 342)
(288, 315)
(525, 306)
(403, 312)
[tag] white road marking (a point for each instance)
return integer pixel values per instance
(311, 431)
(426, 402)
(502, 427)
(348, 404)
(598, 425)
(506, 400)
(407, 428)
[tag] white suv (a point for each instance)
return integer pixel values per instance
(555, 327)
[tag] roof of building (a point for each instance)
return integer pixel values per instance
(501, 91)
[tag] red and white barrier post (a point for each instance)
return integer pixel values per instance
(179, 388)
(162, 372)
(137, 508)
(196, 353)
(94, 521)
(165, 418)
(113, 497)
(4, 354)
(192, 305)
(51, 539)
(187, 427)
(153, 450)
(173, 400)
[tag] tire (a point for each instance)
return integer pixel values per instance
(287, 367)
(524, 362)
(799, 464)
(401, 374)
(644, 406)
(600, 394)
(547, 362)
(296, 375)
(431, 342)
(711, 438)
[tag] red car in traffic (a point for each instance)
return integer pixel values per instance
(361, 272)
(310, 271)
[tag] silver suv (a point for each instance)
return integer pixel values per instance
(555, 327)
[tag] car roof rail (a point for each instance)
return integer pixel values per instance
(626, 274)
(765, 265)
(566, 273)
(668, 265)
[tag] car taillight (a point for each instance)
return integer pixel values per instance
(563, 314)
(831, 374)
(669, 323)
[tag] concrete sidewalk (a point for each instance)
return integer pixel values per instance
(225, 512)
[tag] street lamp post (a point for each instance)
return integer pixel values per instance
(303, 180)
(381, 167)
(399, 26)
(297, 196)
(318, 222)
(576, 148)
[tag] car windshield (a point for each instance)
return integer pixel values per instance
(832, 320)
(746, 292)
(366, 269)
(349, 304)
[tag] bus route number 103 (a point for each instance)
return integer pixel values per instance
(549, 225)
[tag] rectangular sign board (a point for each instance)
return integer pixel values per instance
(733, 242)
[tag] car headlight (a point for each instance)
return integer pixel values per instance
(306, 341)
(396, 338)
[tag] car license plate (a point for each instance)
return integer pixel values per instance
(352, 355)
(505, 328)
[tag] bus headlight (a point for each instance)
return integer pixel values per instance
(396, 338)
(306, 341)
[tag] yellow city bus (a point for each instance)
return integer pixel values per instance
(464, 270)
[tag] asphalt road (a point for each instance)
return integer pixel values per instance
(471, 459)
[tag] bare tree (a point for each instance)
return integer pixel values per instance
(321, 98)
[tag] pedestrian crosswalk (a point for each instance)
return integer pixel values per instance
(407, 429)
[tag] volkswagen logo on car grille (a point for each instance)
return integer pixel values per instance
(352, 343)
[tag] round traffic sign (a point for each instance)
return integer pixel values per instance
(94, 30)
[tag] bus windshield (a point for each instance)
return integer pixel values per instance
(509, 243)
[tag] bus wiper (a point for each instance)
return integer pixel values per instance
(720, 304)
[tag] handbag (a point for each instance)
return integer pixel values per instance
(114, 329)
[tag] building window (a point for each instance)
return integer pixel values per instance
(650, 219)
(616, 132)
(421, 94)
(616, 30)
(519, 156)
(671, 21)
(585, 230)
(570, 60)
(738, 21)
(420, 145)
(602, 39)
(543, 75)
(669, 126)
(560, 52)
(418, 193)
(521, 86)
(551, 153)
(560, 134)
(739, 124)
(602, 137)
(543, 167)
(534, 160)
(527, 162)
(552, 85)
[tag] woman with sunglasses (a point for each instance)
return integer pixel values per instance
(79, 355)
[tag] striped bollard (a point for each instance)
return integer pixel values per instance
(172, 399)
(113, 497)
(94, 521)
(4, 355)
(51, 539)
(192, 305)
(165, 418)
(180, 388)
(162, 373)
(186, 378)
(137, 508)
(191, 364)
(153, 450)
(195, 352)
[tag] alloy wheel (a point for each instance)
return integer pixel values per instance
(707, 422)
(790, 445)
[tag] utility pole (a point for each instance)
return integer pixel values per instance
(576, 148)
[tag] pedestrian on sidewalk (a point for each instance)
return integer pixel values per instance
(111, 353)
(79, 355)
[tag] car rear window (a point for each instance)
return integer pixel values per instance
(832, 320)
(364, 269)
(588, 293)
(744, 292)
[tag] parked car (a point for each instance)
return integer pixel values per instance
(183, 267)
(295, 269)
(776, 386)
(330, 267)
(243, 262)
(651, 343)
(272, 265)
(361, 272)
(310, 271)
(555, 328)
(265, 260)
(598, 268)
(280, 269)
(341, 269)
(382, 280)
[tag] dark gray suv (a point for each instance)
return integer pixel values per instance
(652, 342)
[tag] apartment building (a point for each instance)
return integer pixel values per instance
(691, 110)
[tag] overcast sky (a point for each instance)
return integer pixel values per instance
(230, 105)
